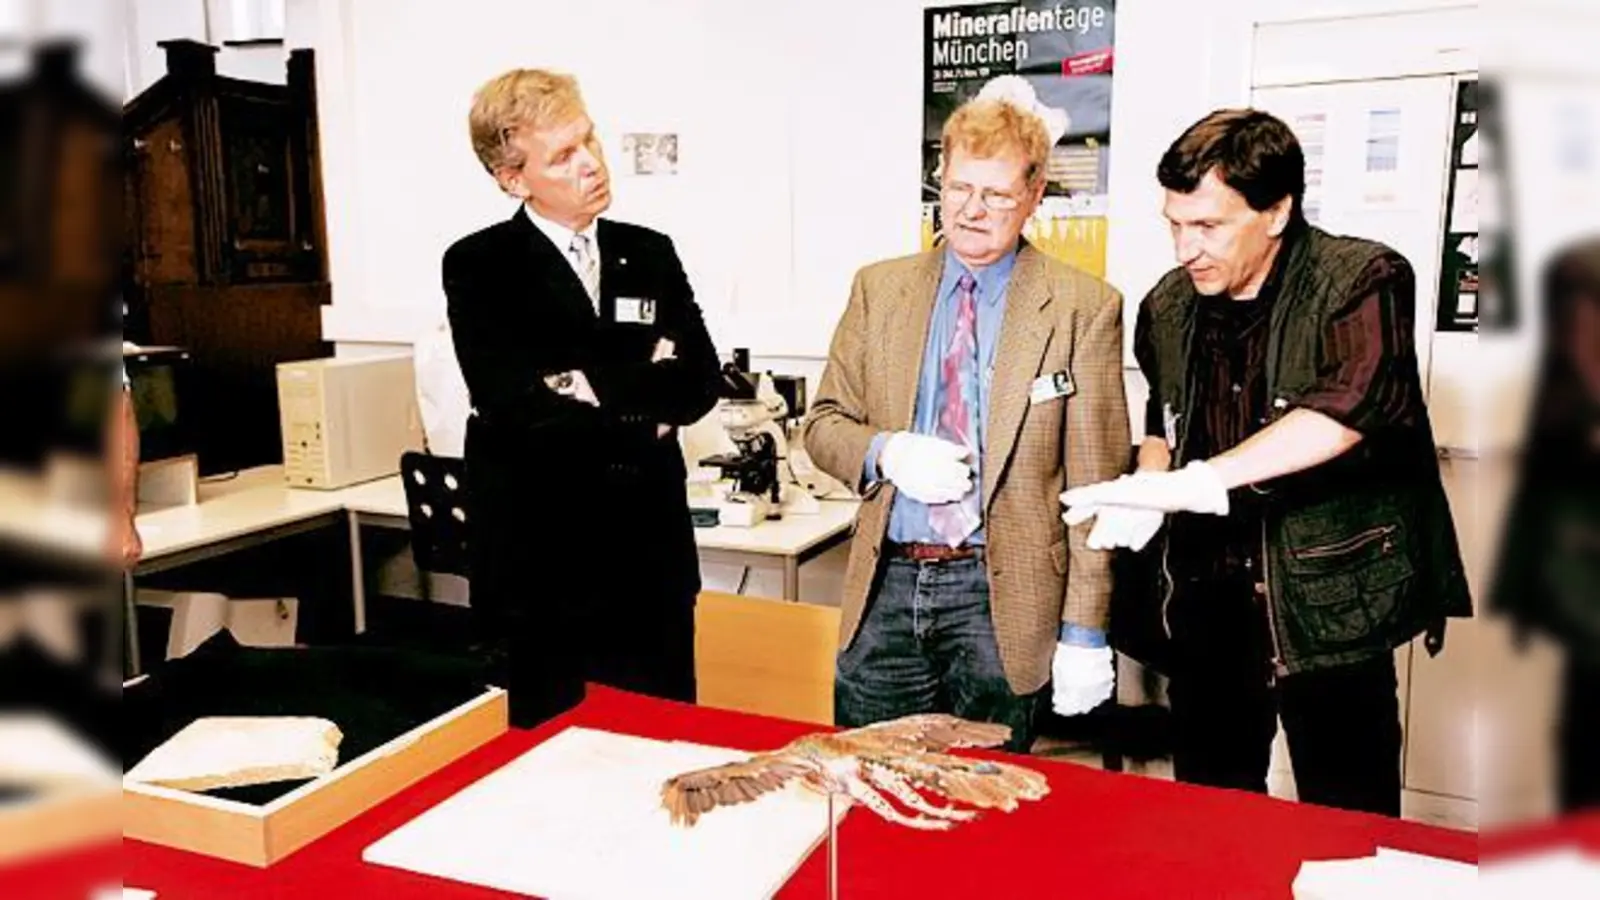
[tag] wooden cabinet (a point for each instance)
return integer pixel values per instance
(224, 239)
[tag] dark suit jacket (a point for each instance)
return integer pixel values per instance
(578, 510)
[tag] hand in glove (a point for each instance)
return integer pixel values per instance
(1117, 526)
(1195, 488)
(1083, 672)
(926, 469)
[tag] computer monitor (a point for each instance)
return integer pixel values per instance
(156, 380)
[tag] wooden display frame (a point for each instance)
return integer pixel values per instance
(262, 835)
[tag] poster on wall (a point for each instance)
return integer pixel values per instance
(1458, 272)
(1056, 54)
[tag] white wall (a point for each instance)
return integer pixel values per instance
(151, 21)
(787, 179)
(799, 157)
(799, 151)
(97, 26)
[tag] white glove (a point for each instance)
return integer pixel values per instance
(927, 469)
(1117, 526)
(1082, 677)
(1195, 488)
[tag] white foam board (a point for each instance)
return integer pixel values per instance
(580, 816)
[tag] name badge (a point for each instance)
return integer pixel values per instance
(636, 311)
(1049, 387)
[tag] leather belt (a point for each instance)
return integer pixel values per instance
(932, 552)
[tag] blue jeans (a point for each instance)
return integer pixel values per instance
(926, 644)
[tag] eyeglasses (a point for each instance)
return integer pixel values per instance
(992, 200)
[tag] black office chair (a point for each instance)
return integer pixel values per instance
(436, 505)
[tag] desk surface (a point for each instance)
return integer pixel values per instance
(790, 536)
(1096, 835)
(232, 506)
(258, 499)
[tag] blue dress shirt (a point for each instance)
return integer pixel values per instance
(908, 519)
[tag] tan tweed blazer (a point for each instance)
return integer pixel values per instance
(1057, 318)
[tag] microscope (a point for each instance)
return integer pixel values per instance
(767, 472)
(754, 420)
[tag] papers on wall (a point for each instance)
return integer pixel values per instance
(1312, 130)
(1383, 183)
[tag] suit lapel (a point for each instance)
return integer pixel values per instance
(613, 262)
(908, 336)
(552, 268)
(1024, 335)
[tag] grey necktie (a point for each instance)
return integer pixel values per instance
(582, 252)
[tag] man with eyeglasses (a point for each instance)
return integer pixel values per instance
(583, 350)
(964, 387)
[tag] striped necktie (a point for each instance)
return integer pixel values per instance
(958, 383)
(582, 252)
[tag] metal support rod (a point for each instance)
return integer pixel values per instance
(833, 850)
(130, 627)
(358, 574)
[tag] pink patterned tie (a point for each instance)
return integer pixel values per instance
(954, 522)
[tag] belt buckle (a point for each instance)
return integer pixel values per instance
(937, 552)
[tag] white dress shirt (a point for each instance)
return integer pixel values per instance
(561, 236)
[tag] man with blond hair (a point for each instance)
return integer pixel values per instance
(965, 387)
(583, 350)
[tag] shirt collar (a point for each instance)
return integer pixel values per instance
(991, 278)
(1280, 264)
(561, 235)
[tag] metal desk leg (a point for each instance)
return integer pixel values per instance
(791, 578)
(130, 627)
(358, 574)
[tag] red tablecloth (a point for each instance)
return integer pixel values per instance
(1097, 835)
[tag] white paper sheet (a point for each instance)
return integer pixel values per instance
(115, 892)
(580, 816)
(1563, 874)
(1390, 875)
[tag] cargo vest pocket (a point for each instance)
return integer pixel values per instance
(1342, 592)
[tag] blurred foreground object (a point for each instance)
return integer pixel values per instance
(1548, 577)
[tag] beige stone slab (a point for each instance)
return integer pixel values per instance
(235, 751)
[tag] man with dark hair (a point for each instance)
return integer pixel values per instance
(1287, 439)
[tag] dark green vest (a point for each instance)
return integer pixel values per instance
(1361, 552)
